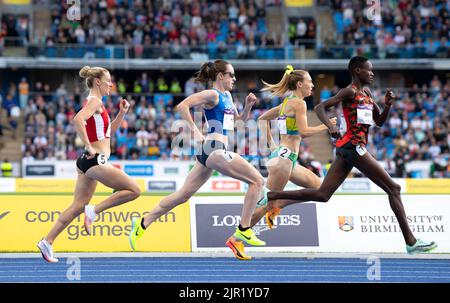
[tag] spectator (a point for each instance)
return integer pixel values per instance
(161, 85)
(175, 87)
(13, 113)
(23, 92)
(7, 168)
(142, 137)
(301, 31)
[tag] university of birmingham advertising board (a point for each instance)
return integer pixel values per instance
(357, 223)
(367, 223)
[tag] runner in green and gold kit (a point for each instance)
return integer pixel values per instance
(292, 124)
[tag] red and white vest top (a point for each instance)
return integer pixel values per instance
(98, 126)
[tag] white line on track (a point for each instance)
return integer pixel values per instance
(213, 255)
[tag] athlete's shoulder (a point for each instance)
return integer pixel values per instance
(93, 102)
(207, 94)
(93, 99)
(291, 100)
(348, 92)
(297, 103)
(210, 91)
(211, 97)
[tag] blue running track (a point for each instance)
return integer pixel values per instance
(225, 270)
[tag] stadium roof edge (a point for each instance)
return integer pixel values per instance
(154, 64)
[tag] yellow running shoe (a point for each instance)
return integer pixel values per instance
(270, 216)
(136, 232)
(237, 247)
(248, 236)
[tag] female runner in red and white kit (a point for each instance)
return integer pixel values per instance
(94, 128)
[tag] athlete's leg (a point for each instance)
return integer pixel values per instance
(279, 171)
(278, 200)
(339, 170)
(303, 177)
(373, 170)
(127, 188)
(195, 179)
(84, 189)
(233, 165)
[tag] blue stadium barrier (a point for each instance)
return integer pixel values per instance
(70, 52)
(270, 54)
(119, 53)
(100, 52)
(51, 52)
(261, 53)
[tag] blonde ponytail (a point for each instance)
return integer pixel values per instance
(287, 83)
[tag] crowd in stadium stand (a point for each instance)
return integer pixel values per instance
(408, 29)
(14, 30)
(302, 31)
(417, 128)
(232, 29)
(169, 29)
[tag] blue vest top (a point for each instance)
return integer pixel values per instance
(215, 115)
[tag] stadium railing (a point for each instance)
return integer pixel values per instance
(215, 50)
(388, 52)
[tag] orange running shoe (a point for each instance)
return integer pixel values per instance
(271, 214)
(237, 247)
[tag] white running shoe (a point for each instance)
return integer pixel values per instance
(46, 251)
(89, 217)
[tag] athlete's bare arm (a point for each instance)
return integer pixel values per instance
(124, 106)
(207, 98)
(302, 121)
(380, 117)
(270, 114)
(342, 95)
(250, 100)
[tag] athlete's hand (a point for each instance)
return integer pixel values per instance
(197, 135)
(124, 105)
(334, 132)
(90, 151)
(389, 97)
(333, 121)
(251, 99)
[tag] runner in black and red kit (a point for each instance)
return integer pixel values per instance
(360, 112)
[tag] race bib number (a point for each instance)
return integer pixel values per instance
(282, 125)
(361, 150)
(364, 113)
(101, 159)
(284, 152)
(228, 121)
(342, 126)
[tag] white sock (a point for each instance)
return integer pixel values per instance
(90, 211)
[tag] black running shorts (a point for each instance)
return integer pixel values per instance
(83, 163)
(350, 152)
(207, 148)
